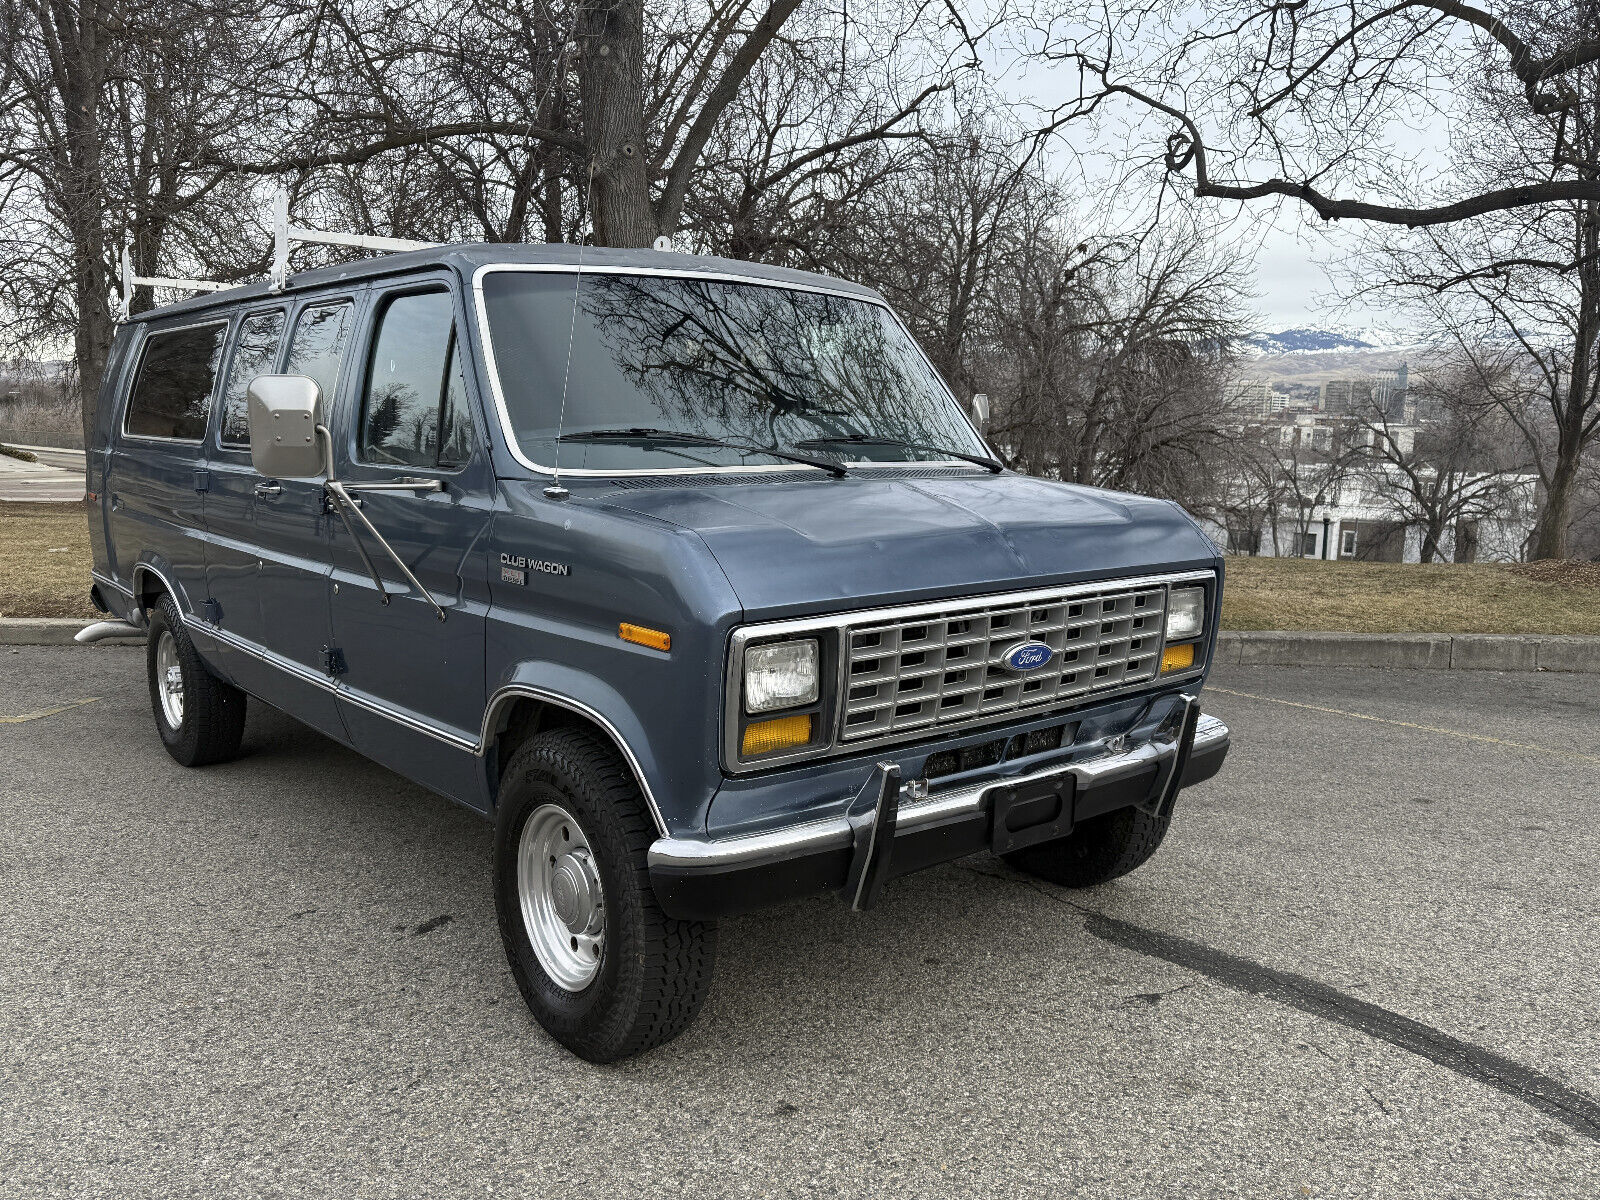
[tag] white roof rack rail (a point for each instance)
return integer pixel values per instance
(283, 234)
(122, 305)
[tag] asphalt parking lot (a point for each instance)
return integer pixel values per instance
(1364, 964)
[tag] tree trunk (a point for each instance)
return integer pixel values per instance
(84, 204)
(611, 86)
(1550, 535)
(1431, 535)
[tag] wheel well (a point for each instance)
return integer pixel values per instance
(524, 716)
(148, 588)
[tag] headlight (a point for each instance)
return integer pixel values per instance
(780, 675)
(1186, 614)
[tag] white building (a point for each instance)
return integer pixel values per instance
(1359, 521)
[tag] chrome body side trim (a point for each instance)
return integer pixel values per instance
(114, 585)
(835, 833)
(478, 748)
(837, 626)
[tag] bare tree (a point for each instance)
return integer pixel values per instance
(1517, 296)
(106, 110)
(1297, 99)
(622, 102)
(1458, 467)
(1120, 357)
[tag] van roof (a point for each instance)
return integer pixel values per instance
(466, 258)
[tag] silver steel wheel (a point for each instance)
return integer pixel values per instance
(563, 903)
(169, 679)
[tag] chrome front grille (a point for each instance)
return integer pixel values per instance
(946, 666)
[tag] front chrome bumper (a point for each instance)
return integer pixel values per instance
(1168, 764)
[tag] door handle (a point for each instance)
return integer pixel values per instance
(268, 491)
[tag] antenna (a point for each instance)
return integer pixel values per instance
(555, 491)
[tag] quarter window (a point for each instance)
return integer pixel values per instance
(177, 374)
(317, 350)
(253, 353)
(414, 412)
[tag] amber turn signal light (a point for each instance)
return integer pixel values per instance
(776, 733)
(1177, 658)
(643, 635)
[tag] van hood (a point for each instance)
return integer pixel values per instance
(800, 547)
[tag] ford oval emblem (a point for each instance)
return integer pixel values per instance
(1027, 656)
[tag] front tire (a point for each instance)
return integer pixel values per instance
(602, 968)
(1099, 850)
(200, 718)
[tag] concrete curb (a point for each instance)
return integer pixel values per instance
(53, 631)
(1412, 651)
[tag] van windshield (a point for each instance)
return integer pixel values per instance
(746, 363)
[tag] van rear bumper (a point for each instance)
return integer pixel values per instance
(702, 879)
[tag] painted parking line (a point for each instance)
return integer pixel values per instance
(47, 712)
(1455, 733)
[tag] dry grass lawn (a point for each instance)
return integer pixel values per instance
(1352, 597)
(44, 572)
(44, 561)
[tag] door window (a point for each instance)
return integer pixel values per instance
(172, 393)
(414, 411)
(254, 351)
(317, 349)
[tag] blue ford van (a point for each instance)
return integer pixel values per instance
(691, 575)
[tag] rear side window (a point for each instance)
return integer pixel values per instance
(253, 353)
(171, 395)
(414, 412)
(317, 349)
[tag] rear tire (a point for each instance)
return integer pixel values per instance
(1099, 850)
(200, 717)
(602, 968)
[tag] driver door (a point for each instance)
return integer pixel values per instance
(412, 686)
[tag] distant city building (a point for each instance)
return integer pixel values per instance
(1391, 398)
(1258, 398)
(1340, 397)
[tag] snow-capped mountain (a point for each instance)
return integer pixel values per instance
(1313, 340)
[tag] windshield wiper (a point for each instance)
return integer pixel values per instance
(870, 439)
(644, 435)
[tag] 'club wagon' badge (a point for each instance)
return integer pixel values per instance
(1027, 656)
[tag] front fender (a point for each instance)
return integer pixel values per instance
(675, 772)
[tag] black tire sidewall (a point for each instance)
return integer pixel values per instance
(181, 742)
(589, 1020)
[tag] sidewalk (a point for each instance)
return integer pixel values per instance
(48, 480)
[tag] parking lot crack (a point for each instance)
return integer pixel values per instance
(1577, 1110)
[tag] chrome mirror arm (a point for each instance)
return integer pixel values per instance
(347, 507)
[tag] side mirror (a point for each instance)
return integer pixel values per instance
(980, 409)
(285, 411)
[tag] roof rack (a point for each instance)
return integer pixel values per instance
(122, 306)
(283, 235)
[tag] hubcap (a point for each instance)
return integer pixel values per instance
(169, 679)
(563, 903)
